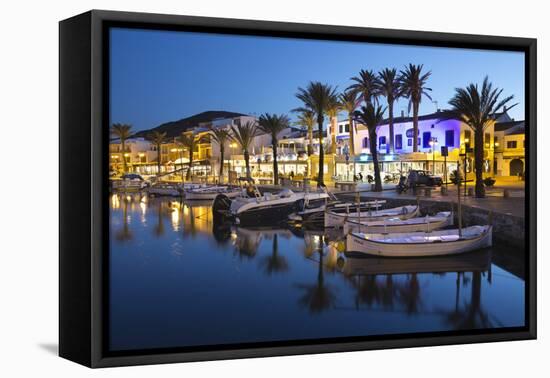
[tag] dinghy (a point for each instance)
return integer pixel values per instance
(210, 192)
(418, 244)
(165, 189)
(394, 225)
(335, 219)
(316, 214)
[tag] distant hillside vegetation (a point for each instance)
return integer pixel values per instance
(175, 128)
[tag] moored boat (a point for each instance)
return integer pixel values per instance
(128, 183)
(396, 225)
(260, 209)
(419, 244)
(316, 214)
(165, 189)
(210, 192)
(337, 219)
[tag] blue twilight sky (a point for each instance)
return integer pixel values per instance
(161, 76)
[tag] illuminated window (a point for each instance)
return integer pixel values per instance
(449, 138)
(398, 141)
(426, 137)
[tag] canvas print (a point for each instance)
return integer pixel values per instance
(267, 190)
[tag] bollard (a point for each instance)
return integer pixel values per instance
(427, 192)
(470, 192)
(506, 193)
(444, 191)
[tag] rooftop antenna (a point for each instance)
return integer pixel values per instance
(436, 105)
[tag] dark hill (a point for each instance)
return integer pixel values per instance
(175, 128)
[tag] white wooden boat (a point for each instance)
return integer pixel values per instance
(394, 225)
(128, 185)
(316, 214)
(418, 244)
(210, 192)
(165, 189)
(337, 219)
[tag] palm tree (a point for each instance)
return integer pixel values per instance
(244, 134)
(157, 138)
(306, 118)
(477, 109)
(388, 83)
(273, 124)
(372, 117)
(122, 131)
(189, 142)
(350, 102)
(413, 85)
(317, 98)
(367, 85)
(222, 137)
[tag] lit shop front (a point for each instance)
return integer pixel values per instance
(391, 166)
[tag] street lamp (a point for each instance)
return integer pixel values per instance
(433, 143)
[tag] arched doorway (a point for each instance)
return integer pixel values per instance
(516, 167)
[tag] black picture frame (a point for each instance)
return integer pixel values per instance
(83, 232)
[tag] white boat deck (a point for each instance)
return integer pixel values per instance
(425, 237)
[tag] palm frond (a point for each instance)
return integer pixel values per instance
(244, 134)
(273, 124)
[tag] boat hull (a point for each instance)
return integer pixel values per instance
(357, 243)
(333, 219)
(397, 226)
(164, 192)
(197, 196)
(273, 214)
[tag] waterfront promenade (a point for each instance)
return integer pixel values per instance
(494, 200)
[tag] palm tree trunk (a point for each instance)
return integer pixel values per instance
(480, 189)
(247, 162)
(222, 152)
(123, 145)
(333, 126)
(415, 127)
(392, 137)
(275, 164)
(188, 176)
(158, 159)
(181, 165)
(320, 178)
(374, 154)
(310, 138)
(351, 137)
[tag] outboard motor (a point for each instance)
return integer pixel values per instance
(221, 208)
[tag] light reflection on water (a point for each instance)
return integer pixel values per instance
(176, 281)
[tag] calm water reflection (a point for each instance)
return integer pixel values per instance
(176, 282)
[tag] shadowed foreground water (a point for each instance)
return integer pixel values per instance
(174, 282)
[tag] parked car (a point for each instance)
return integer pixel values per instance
(423, 178)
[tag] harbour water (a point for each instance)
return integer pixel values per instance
(175, 281)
